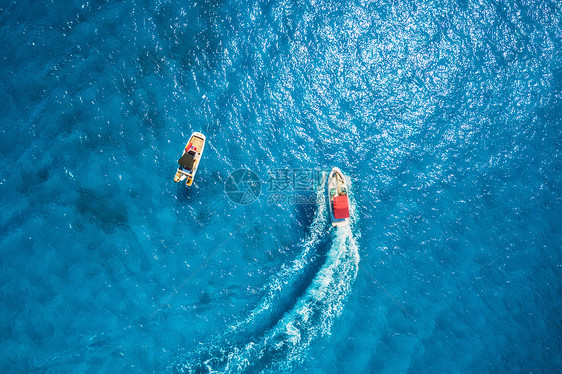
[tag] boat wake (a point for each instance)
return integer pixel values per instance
(284, 343)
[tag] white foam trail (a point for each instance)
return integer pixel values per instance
(313, 315)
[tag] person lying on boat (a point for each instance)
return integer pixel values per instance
(187, 161)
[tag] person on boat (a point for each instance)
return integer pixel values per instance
(187, 161)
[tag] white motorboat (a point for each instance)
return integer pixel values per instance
(338, 201)
(189, 160)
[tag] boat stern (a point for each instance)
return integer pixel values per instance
(340, 222)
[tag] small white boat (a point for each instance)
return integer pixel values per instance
(338, 201)
(189, 160)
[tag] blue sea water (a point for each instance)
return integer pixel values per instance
(445, 116)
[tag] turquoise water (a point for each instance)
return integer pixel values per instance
(445, 116)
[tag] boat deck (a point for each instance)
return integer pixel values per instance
(197, 142)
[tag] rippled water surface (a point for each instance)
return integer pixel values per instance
(444, 115)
